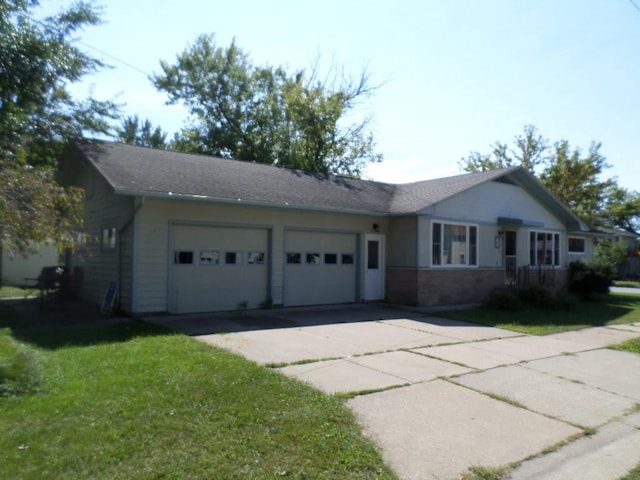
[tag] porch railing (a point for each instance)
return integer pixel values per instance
(540, 275)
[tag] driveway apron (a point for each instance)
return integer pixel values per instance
(439, 396)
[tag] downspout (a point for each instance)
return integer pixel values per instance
(121, 230)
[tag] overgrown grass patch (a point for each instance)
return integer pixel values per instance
(626, 283)
(615, 309)
(20, 366)
(632, 345)
(145, 403)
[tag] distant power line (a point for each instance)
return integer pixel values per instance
(112, 57)
(635, 5)
(102, 52)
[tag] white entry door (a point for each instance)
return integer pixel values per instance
(374, 267)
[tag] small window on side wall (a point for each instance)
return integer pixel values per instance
(577, 245)
(183, 257)
(109, 238)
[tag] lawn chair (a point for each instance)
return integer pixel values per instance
(49, 284)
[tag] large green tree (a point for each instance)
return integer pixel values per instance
(266, 114)
(38, 115)
(142, 133)
(573, 176)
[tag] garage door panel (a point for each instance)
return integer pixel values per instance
(326, 282)
(210, 283)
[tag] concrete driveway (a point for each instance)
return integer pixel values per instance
(439, 396)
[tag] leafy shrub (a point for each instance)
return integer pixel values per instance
(20, 367)
(590, 280)
(537, 296)
(503, 299)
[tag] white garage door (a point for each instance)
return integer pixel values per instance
(320, 268)
(217, 268)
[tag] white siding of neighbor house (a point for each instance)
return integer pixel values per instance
(482, 206)
(152, 245)
(16, 268)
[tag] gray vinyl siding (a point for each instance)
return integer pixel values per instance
(155, 216)
(100, 266)
(488, 201)
(401, 242)
(126, 267)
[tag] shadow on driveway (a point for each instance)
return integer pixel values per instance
(294, 317)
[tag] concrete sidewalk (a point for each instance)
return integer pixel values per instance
(439, 396)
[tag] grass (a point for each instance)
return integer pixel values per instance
(633, 474)
(479, 472)
(6, 292)
(626, 283)
(632, 345)
(131, 400)
(615, 309)
(20, 370)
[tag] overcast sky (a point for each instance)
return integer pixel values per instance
(456, 75)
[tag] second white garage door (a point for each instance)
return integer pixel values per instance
(320, 268)
(218, 268)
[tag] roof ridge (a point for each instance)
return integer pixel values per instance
(209, 156)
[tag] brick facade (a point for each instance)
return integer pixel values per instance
(427, 287)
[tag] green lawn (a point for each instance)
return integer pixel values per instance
(618, 308)
(135, 401)
(626, 283)
(6, 292)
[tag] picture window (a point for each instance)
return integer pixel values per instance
(544, 248)
(454, 244)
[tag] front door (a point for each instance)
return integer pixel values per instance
(510, 257)
(374, 267)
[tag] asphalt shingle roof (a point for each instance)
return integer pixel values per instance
(144, 171)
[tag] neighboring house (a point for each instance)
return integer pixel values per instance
(191, 233)
(630, 269)
(15, 268)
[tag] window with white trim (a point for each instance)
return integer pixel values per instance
(454, 244)
(577, 245)
(544, 248)
(109, 238)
